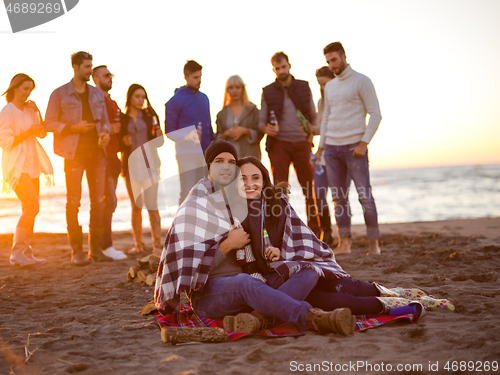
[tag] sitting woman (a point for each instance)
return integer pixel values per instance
(284, 248)
(237, 122)
(140, 126)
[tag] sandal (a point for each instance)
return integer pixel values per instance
(136, 250)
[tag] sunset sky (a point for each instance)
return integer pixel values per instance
(434, 64)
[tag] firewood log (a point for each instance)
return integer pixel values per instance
(154, 262)
(133, 272)
(148, 308)
(151, 279)
(176, 335)
(143, 262)
(141, 275)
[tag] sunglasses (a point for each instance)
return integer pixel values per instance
(107, 75)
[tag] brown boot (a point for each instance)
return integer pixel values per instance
(339, 321)
(75, 238)
(248, 322)
(95, 251)
(19, 246)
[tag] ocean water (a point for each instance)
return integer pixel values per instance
(401, 195)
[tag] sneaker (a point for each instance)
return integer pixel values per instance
(111, 252)
(339, 321)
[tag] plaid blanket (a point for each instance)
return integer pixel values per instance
(302, 249)
(203, 221)
(187, 318)
(200, 224)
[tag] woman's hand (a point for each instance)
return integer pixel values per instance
(31, 104)
(272, 253)
(36, 129)
(237, 132)
(127, 140)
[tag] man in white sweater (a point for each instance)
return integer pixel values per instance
(344, 139)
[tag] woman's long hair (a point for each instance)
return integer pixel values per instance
(15, 82)
(272, 193)
(149, 109)
(324, 71)
(237, 81)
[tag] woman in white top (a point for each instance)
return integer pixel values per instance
(23, 161)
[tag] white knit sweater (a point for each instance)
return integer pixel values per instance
(348, 99)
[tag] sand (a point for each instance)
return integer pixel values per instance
(88, 319)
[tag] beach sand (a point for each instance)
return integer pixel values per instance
(88, 319)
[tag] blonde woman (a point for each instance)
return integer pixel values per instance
(23, 161)
(237, 122)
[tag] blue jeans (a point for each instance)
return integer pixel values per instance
(339, 162)
(113, 168)
(231, 295)
(94, 166)
(358, 296)
(297, 286)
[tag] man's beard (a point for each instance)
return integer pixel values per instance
(283, 77)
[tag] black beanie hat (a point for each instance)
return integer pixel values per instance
(218, 147)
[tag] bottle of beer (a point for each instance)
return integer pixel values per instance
(154, 121)
(318, 168)
(274, 121)
(267, 241)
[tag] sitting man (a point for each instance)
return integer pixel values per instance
(199, 258)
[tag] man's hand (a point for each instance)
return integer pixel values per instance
(104, 137)
(319, 153)
(272, 253)
(236, 239)
(360, 150)
(82, 127)
(269, 129)
(127, 140)
(115, 127)
(237, 132)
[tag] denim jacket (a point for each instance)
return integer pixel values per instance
(65, 109)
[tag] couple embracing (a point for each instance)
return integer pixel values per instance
(241, 253)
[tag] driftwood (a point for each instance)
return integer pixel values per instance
(176, 335)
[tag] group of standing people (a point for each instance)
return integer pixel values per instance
(90, 130)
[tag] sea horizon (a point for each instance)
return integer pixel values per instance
(402, 195)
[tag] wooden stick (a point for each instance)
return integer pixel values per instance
(175, 335)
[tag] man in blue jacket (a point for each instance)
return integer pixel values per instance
(188, 124)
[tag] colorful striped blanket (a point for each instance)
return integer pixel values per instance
(187, 318)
